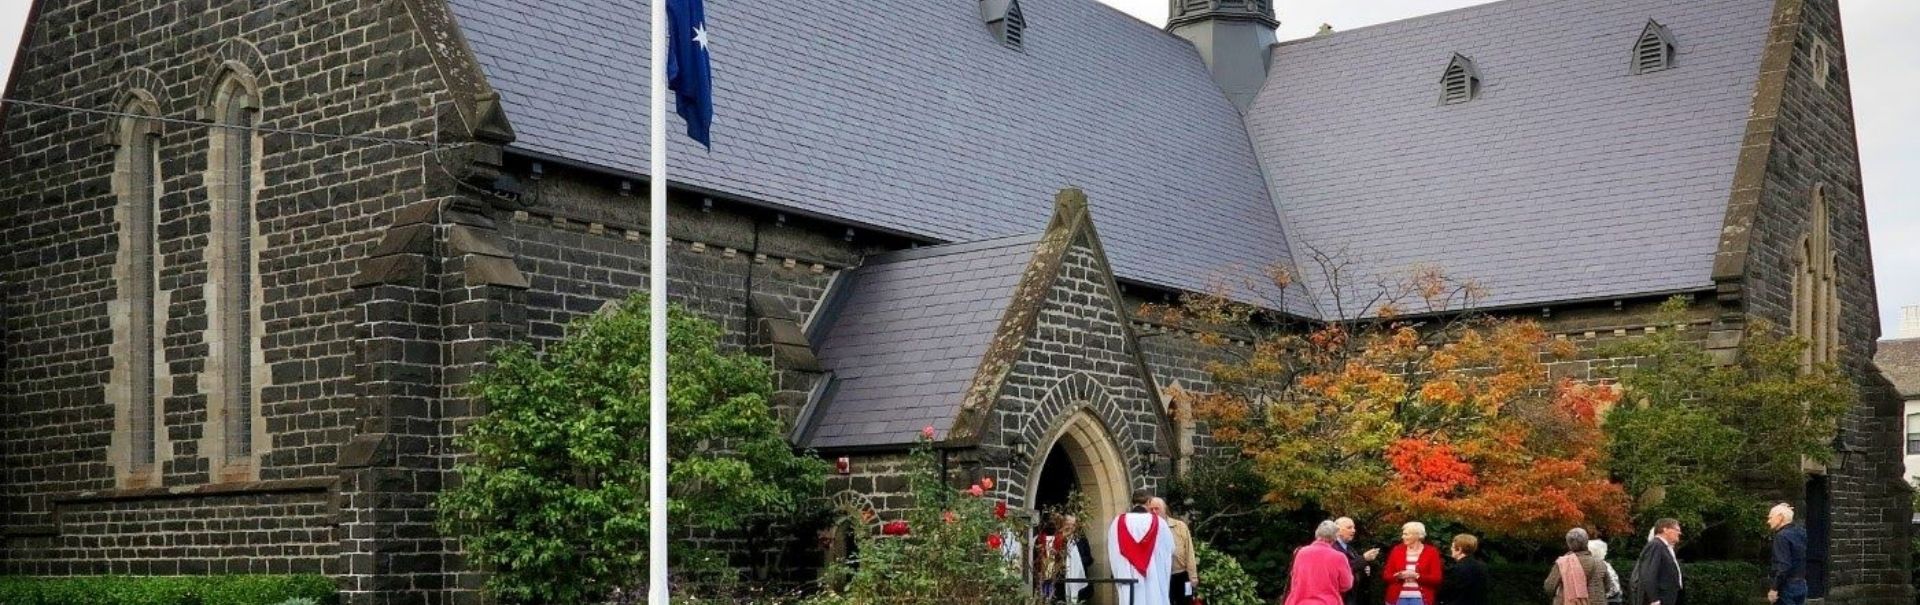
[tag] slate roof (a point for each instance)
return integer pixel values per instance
(1567, 179)
(1899, 359)
(908, 115)
(905, 343)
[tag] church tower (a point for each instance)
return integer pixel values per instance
(1233, 37)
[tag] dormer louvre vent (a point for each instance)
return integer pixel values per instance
(1015, 26)
(1005, 20)
(1461, 83)
(1655, 49)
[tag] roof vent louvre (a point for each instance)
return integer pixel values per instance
(1461, 83)
(1005, 20)
(1655, 49)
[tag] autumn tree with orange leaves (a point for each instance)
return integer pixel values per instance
(1410, 409)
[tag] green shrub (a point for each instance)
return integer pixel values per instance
(945, 550)
(553, 502)
(1708, 583)
(166, 590)
(1222, 581)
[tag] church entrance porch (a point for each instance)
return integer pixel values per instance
(1082, 460)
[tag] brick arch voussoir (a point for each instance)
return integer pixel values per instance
(235, 58)
(1079, 392)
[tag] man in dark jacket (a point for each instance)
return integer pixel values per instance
(1789, 585)
(1362, 563)
(1657, 579)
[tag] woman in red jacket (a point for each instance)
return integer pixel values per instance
(1412, 569)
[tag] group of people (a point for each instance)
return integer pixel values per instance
(1332, 571)
(1149, 555)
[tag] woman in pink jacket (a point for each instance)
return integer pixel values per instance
(1321, 572)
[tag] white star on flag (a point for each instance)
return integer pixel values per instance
(700, 35)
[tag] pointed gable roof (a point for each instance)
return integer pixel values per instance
(909, 116)
(925, 337)
(908, 339)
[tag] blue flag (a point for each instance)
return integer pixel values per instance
(688, 74)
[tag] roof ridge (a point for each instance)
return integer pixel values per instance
(1401, 21)
(926, 252)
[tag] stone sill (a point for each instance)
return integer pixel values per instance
(277, 486)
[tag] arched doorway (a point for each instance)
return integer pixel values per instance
(1081, 458)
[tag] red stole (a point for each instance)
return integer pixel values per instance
(1139, 553)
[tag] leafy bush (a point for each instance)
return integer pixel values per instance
(1708, 582)
(166, 590)
(1710, 443)
(945, 551)
(1222, 581)
(553, 501)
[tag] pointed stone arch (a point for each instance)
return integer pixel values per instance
(236, 60)
(1104, 471)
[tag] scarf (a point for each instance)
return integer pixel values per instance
(1573, 579)
(1138, 553)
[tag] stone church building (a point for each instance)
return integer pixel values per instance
(252, 252)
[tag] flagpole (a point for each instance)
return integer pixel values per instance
(657, 300)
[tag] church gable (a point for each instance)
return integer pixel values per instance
(1066, 352)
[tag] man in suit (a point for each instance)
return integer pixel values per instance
(1361, 562)
(1657, 579)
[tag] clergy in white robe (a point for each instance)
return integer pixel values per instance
(1076, 569)
(1140, 547)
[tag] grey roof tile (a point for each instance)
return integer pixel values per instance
(903, 349)
(909, 115)
(1900, 360)
(1566, 179)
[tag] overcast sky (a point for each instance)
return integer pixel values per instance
(1882, 51)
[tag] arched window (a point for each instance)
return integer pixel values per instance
(232, 182)
(1816, 292)
(1820, 62)
(136, 324)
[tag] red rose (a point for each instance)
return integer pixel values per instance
(986, 482)
(950, 517)
(975, 491)
(894, 528)
(927, 433)
(1000, 509)
(993, 542)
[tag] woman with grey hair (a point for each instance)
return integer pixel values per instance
(1577, 577)
(1615, 596)
(1412, 569)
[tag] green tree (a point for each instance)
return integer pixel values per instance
(553, 500)
(1710, 443)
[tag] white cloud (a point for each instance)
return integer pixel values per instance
(13, 20)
